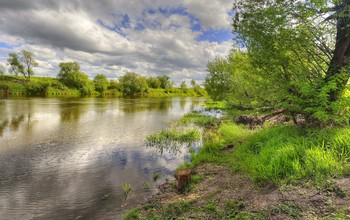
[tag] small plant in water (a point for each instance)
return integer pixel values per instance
(171, 140)
(105, 197)
(146, 186)
(127, 188)
(156, 176)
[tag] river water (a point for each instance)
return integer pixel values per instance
(67, 158)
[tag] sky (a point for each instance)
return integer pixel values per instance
(149, 37)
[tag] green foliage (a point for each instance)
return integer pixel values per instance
(155, 176)
(165, 82)
(290, 208)
(2, 71)
(101, 83)
(200, 91)
(67, 68)
(289, 153)
(173, 92)
(146, 186)
(232, 80)
(233, 133)
(291, 60)
(38, 86)
(171, 139)
(9, 87)
(175, 209)
(71, 76)
(198, 119)
(114, 85)
(183, 85)
(22, 63)
(193, 83)
(133, 84)
(232, 210)
(284, 153)
(132, 214)
(209, 105)
(153, 82)
(127, 188)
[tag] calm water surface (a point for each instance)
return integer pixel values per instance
(61, 158)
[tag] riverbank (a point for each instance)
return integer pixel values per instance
(11, 86)
(276, 171)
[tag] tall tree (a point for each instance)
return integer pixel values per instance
(2, 70)
(133, 84)
(302, 55)
(67, 68)
(71, 76)
(22, 63)
(101, 83)
(193, 83)
(340, 62)
(153, 82)
(183, 85)
(165, 82)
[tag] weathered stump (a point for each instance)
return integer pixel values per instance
(183, 177)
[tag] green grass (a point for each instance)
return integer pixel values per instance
(132, 214)
(52, 87)
(210, 104)
(174, 92)
(38, 86)
(275, 154)
(269, 155)
(288, 153)
(127, 188)
(172, 139)
(198, 119)
(290, 208)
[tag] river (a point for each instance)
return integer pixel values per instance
(67, 158)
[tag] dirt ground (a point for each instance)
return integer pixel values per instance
(223, 194)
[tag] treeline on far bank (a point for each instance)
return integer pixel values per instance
(71, 81)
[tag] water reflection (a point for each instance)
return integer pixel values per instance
(3, 125)
(71, 111)
(16, 121)
(137, 105)
(58, 157)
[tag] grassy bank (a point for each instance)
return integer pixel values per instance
(282, 166)
(11, 86)
(38, 86)
(175, 92)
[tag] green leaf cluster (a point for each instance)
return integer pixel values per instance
(291, 57)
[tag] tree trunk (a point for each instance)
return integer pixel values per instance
(341, 54)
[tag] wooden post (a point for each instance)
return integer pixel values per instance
(183, 177)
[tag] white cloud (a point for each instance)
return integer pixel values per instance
(212, 14)
(58, 31)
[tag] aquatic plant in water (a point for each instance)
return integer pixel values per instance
(172, 140)
(127, 188)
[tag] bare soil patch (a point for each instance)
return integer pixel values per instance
(223, 194)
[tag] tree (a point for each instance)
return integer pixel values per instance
(165, 82)
(153, 82)
(67, 68)
(193, 83)
(115, 85)
(230, 79)
(2, 71)
(22, 63)
(183, 85)
(71, 76)
(301, 57)
(101, 83)
(133, 84)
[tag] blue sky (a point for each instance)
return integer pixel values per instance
(155, 37)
